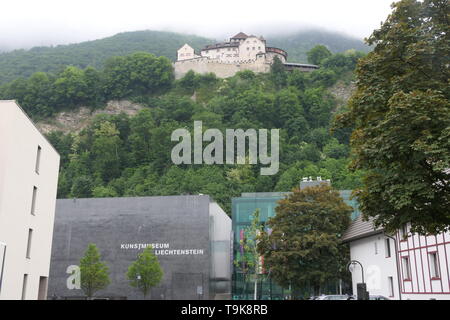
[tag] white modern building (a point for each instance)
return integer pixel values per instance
(29, 168)
(404, 266)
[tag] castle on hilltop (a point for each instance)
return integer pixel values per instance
(242, 52)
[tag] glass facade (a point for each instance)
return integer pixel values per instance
(242, 210)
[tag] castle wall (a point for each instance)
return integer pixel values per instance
(222, 70)
(271, 55)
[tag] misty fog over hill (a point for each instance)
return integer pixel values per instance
(23, 63)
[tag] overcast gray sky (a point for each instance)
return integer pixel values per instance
(25, 23)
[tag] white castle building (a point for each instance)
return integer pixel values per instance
(242, 52)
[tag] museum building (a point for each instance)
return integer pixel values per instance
(190, 235)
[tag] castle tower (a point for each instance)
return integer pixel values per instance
(185, 52)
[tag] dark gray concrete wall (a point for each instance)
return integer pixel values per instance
(110, 223)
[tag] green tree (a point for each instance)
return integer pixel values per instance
(278, 73)
(81, 186)
(70, 87)
(106, 151)
(15, 90)
(39, 95)
(297, 79)
(145, 272)
(289, 179)
(94, 81)
(103, 192)
(334, 149)
(117, 78)
(323, 77)
(304, 244)
(94, 272)
(148, 73)
(317, 54)
(287, 106)
(189, 82)
(400, 113)
(248, 258)
(318, 105)
(140, 137)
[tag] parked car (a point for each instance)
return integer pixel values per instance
(371, 297)
(378, 297)
(334, 297)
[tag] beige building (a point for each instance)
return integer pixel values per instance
(29, 168)
(241, 52)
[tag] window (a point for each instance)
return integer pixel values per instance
(2, 262)
(42, 291)
(388, 247)
(33, 201)
(391, 286)
(30, 236)
(406, 268)
(38, 159)
(434, 265)
(24, 286)
(403, 232)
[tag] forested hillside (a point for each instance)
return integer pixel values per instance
(299, 43)
(23, 63)
(123, 155)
